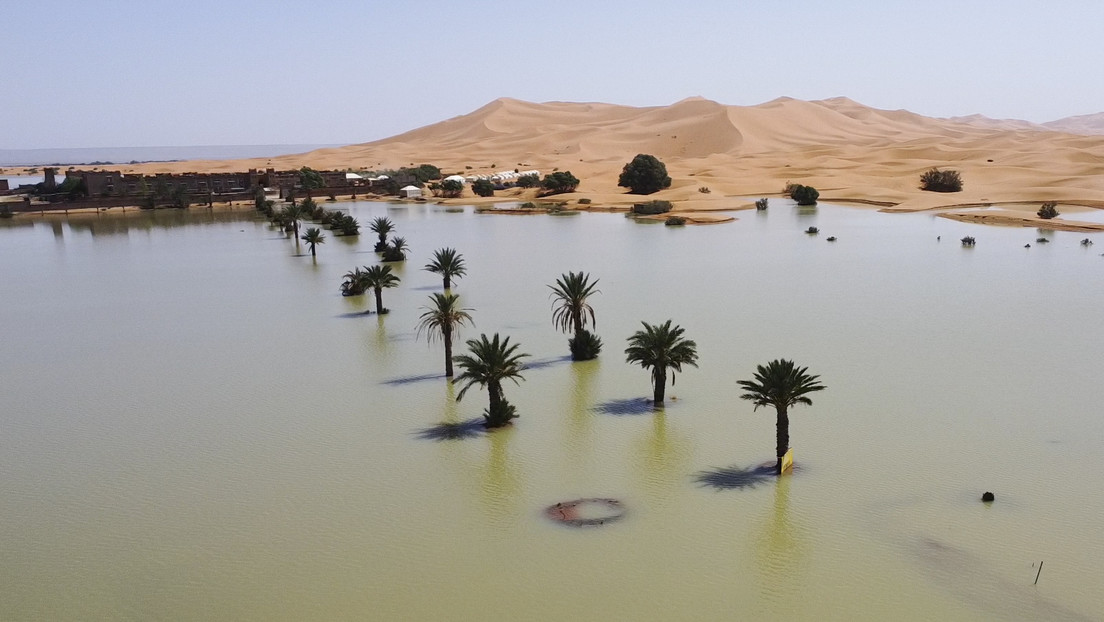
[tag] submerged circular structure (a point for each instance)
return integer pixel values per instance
(590, 512)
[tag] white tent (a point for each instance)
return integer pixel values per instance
(410, 192)
(352, 176)
(459, 178)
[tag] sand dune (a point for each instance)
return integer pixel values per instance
(847, 150)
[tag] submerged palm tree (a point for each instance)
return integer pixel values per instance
(661, 347)
(570, 310)
(448, 263)
(313, 237)
(376, 278)
(353, 285)
(382, 226)
(290, 216)
(443, 318)
(396, 250)
(491, 362)
(780, 384)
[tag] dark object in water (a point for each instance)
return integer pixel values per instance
(832, 239)
(988, 497)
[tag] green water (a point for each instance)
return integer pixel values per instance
(195, 425)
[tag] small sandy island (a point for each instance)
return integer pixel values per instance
(721, 158)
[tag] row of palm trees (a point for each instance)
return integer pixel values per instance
(663, 349)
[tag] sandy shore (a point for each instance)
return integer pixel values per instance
(851, 153)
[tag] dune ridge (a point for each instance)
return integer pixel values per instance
(849, 151)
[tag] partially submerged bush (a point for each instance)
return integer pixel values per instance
(761, 204)
(936, 180)
(968, 241)
(812, 231)
(804, 195)
(451, 188)
(651, 207)
(1086, 242)
(584, 201)
(675, 221)
(787, 190)
(1048, 210)
(585, 346)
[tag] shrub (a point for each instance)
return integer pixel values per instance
(585, 346)
(936, 180)
(804, 195)
(812, 231)
(673, 221)
(761, 204)
(6, 212)
(310, 178)
(528, 205)
(704, 190)
(349, 225)
(651, 207)
(1048, 210)
(584, 201)
(787, 190)
(968, 241)
(451, 188)
(483, 188)
(528, 181)
(1086, 242)
(500, 415)
(560, 182)
(644, 175)
(1042, 241)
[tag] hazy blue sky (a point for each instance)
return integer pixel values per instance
(198, 72)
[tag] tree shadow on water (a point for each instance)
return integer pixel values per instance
(548, 362)
(737, 478)
(453, 431)
(401, 380)
(627, 406)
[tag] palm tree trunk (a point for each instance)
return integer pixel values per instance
(379, 300)
(448, 352)
(448, 283)
(783, 428)
(494, 393)
(312, 251)
(659, 378)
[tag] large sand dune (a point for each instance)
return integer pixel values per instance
(847, 150)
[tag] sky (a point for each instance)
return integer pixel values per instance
(94, 73)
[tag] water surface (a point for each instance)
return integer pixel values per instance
(196, 425)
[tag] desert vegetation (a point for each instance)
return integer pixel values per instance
(645, 174)
(936, 180)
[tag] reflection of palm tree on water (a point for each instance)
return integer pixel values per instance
(666, 454)
(501, 485)
(780, 549)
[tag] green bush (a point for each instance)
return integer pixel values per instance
(761, 204)
(1048, 210)
(452, 188)
(644, 175)
(651, 207)
(704, 190)
(936, 180)
(968, 241)
(557, 183)
(788, 189)
(673, 221)
(528, 181)
(483, 188)
(585, 346)
(6, 212)
(804, 195)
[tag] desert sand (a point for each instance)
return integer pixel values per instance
(848, 151)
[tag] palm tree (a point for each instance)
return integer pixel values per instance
(353, 285)
(443, 318)
(396, 250)
(291, 215)
(382, 226)
(448, 263)
(491, 362)
(376, 278)
(660, 347)
(780, 384)
(314, 237)
(570, 311)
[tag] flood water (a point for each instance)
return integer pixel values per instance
(195, 425)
